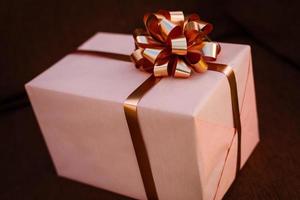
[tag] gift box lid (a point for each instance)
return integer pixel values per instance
(113, 80)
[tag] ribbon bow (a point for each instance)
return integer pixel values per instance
(173, 45)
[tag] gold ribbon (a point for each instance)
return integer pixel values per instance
(229, 73)
(173, 45)
(130, 109)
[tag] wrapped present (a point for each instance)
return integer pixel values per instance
(180, 142)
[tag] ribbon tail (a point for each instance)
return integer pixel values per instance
(229, 73)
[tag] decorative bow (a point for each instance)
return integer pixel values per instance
(173, 45)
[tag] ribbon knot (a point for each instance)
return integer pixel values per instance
(173, 45)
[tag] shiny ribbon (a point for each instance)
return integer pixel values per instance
(173, 45)
(164, 52)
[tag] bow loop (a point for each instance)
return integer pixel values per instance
(210, 50)
(197, 30)
(152, 23)
(179, 46)
(169, 30)
(161, 70)
(143, 40)
(173, 45)
(181, 69)
(154, 55)
(177, 17)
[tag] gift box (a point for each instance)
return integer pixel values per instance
(187, 124)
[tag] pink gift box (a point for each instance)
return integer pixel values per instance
(187, 124)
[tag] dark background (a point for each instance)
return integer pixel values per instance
(34, 34)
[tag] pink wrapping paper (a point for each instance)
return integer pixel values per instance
(187, 123)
